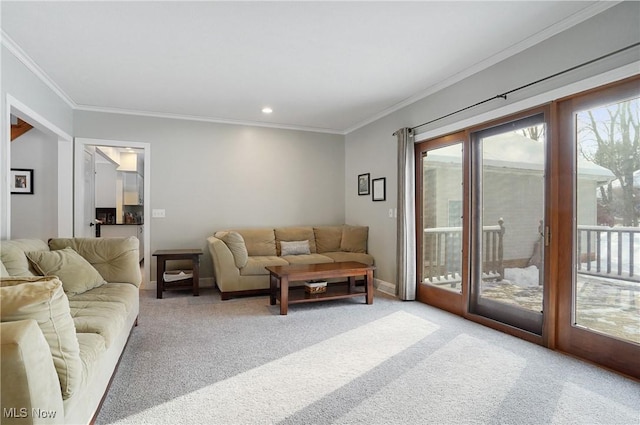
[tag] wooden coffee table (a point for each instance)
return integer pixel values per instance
(281, 276)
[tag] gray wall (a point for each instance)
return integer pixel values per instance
(36, 216)
(210, 177)
(372, 148)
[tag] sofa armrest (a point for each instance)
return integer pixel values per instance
(29, 382)
(224, 267)
(116, 259)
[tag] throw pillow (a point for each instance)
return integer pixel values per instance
(3, 270)
(76, 273)
(294, 248)
(354, 239)
(235, 243)
(43, 300)
(297, 233)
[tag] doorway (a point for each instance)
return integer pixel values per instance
(64, 186)
(131, 183)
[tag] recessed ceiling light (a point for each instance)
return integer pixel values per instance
(267, 110)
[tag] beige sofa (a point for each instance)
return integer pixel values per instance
(240, 256)
(67, 309)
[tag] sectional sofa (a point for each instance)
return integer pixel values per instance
(67, 308)
(240, 256)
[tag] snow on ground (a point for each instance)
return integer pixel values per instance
(523, 277)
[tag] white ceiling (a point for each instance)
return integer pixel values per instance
(323, 66)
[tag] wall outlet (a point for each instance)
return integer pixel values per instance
(157, 213)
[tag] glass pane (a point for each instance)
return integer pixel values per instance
(442, 217)
(607, 258)
(512, 187)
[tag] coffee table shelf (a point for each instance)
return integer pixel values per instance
(335, 290)
(281, 276)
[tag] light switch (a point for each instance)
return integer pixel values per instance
(157, 213)
(390, 212)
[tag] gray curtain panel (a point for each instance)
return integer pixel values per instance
(406, 239)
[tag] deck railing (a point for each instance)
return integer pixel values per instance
(612, 252)
(442, 253)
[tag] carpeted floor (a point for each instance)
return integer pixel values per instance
(198, 360)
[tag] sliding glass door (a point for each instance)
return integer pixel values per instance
(600, 293)
(508, 222)
(441, 204)
(531, 224)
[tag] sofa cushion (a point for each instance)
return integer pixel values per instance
(235, 243)
(13, 256)
(76, 274)
(259, 242)
(328, 238)
(308, 259)
(43, 299)
(354, 239)
(300, 233)
(256, 265)
(91, 348)
(99, 317)
(294, 248)
(124, 293)
(342, 257)
(112, 257)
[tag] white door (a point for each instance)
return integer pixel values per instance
(84, 199)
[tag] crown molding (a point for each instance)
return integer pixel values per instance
(550, 31)
(215, 120)
(19, 54)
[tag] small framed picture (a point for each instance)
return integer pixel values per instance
(379, 189)
(21, 181)
(363, 184)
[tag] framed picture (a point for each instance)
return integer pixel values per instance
(379, 189)
(21, 181)
(363, 184)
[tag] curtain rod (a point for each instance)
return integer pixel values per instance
(505, 94)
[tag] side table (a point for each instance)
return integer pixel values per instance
(164, 255)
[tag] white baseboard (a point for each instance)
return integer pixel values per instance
(386, 287)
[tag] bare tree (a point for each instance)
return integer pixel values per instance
(534, 133)
(617, 148)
